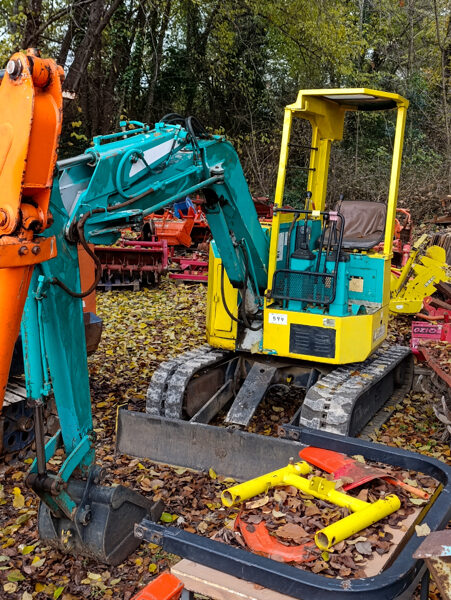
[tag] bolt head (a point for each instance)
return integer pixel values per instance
(14, 68)
(35, 250)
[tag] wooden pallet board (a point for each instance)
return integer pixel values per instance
(220, 586)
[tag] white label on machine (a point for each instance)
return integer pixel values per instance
(281, 244)
(152, 155)
(379, 332)
(277, 319)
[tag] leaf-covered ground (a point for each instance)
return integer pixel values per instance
(142, 329)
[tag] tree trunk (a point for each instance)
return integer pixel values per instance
(33, 23)
(97, 21)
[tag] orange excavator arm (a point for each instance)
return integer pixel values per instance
(30, 126)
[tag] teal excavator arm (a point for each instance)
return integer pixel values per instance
(117, 182)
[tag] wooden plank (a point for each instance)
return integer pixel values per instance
(219, 586)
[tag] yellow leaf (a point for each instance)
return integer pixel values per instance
(138, 561)
(39, 587)
(10, 588)
(140, 466)
(28, 549)
(153, 546)
(359, 458)
(19, 500)
(152, 568)
(212, 473)
(37, 561)
(94, 576)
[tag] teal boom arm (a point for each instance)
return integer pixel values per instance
(150, 170)
(118, 181)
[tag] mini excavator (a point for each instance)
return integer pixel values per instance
(304, 300)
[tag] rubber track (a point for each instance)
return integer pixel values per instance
(15, 391)
(329, 404)
(167, 387)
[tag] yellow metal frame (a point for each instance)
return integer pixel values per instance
(326, 117)
(365, 513)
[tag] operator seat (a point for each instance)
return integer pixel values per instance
(364, 223)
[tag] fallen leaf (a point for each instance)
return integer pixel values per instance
(212, 474)
(180, 470)
(28, 549)
(258, 503)
(15, 575)
(418, 501)
(10, 588)
(364, 548)
(37, 562)
(291, 531)
(280, 496)
(57, 593)
(167, 518)
(19, 500)
(422, 530)
(312, 510)
(277, 514)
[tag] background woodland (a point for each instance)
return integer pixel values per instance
(236, 63)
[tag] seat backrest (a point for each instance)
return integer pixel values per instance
(364, 223)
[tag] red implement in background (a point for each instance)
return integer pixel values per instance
(359, 473)
(402, 238)
(437, 326)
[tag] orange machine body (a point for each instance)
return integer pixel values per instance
(30, 126)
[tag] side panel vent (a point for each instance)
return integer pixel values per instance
(313, 341)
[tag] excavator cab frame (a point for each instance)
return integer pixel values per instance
(353, 322)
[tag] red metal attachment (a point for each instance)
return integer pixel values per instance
(137, 263)
(402, 242)
(345, 466)
(190, 268)
(165, 587)
(259, 541)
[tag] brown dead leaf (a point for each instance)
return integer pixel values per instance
(291, 531)
(258, 503)
(364, 548)
(312, 510)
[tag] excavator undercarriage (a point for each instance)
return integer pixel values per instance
(201, 383)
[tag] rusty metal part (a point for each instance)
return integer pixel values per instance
(436, 552)
(132, 266)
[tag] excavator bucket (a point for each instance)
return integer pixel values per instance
(103, 528)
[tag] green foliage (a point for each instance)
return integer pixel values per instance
(236, 63)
